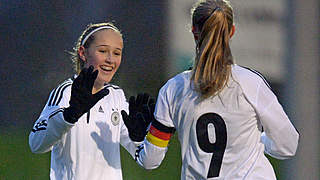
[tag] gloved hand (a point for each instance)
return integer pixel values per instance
(82, 99)
(141, 111)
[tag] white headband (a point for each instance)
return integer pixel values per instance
(103, 27)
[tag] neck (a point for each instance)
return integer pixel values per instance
(97, 87)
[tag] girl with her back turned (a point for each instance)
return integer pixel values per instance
(226, 115)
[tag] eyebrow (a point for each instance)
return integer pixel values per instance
(109, 46)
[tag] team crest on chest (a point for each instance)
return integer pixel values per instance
(115, 117)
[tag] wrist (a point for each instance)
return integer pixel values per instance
(70, 115)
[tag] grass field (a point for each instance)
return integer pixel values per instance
(18, 163)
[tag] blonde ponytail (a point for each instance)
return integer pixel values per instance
(212, 65)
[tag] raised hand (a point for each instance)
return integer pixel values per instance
(82, 99)
(141, 111)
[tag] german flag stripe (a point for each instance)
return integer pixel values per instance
(162, 127)
(159, 134)
(156, 141)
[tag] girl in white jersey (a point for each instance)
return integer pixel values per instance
(226, 116)
(81, 123)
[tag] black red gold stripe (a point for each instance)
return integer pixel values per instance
(159, 134)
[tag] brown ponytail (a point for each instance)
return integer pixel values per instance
(212, 65)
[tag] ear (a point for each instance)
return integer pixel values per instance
(81, 53)
(233, 30)
(195, 33)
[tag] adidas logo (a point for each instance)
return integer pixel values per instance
(101, 110)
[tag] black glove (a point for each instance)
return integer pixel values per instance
(82, 99)
(141, 111)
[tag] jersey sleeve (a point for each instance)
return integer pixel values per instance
(50, 127)
(163, 112)
(151, 153)
(279, 137)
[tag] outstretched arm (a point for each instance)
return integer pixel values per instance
(154, 141)
(140, 116)
(82, 99)
(60, 114)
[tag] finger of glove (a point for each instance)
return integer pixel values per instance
(94, 75)
(141, 122)
(146, 114)
(140, 119)
(132, 105)
(77, 90)
(77, 83)
(91, 79)
(99, 95)
(90, 69)
(88, 81)
(126, 119)
(145, 98)
(83, 75)
(151, 105)
(91, 74)
(151, 101)
(139, 100)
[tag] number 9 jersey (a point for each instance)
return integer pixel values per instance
(224, 136)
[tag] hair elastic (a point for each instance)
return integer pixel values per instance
(99, 28)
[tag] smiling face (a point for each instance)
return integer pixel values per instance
(104, 54)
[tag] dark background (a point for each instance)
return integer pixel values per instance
(35, 37)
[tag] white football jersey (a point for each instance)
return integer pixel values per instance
(225, 136)
(88, 149)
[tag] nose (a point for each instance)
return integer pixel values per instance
(109, 57)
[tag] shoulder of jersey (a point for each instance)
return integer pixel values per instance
(113, 88)
(181, 78)
(248, 75)
(177, 84)
(57, 94)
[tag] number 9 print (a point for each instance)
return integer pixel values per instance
(208, 124)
